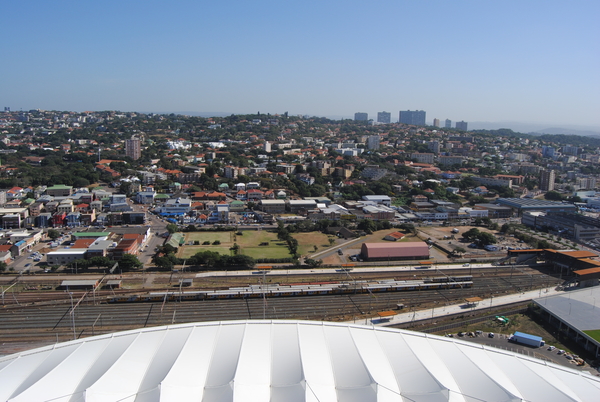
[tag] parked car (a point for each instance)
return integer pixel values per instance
(491, 335)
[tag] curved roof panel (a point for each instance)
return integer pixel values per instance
(284, 361)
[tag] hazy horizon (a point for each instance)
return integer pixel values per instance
(530, 62)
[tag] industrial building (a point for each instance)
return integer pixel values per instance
(494, 211)
(580, 227)
(566, 262)
(575, 316)
(520, 205)
(284, 361)
(395, 251)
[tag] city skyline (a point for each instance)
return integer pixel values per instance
(531, 63)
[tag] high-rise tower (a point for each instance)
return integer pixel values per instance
(547, 178)
(416, 117)
(384, 117)
(461, 125)
(133, 148)
(361, 116)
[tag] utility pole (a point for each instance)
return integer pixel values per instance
(72, 315)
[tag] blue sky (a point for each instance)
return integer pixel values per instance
(527, 61)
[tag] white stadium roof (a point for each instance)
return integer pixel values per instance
(285, 361)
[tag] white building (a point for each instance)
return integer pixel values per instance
(423, 157)
(379, 199)
(284, 360)
(176, 206)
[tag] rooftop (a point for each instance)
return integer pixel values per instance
(576, 307)
(284, 360)
(526, 203)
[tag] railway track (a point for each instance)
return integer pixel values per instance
(40, 291)
(52, 322)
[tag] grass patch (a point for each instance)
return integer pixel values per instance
(223, 237)
(594, 333)
(266, 252)
(254, 238)
(248, 243)
(188, 251)
(410, 239)
(308, 241)
(518, 322)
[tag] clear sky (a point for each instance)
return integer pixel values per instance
(528, 61)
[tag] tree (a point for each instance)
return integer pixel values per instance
(486, 238)
(471, 234)
(130, 262)
(553, 195)
(100, 262)
(367, 225)
(53, 234)
(313, 263)
(292, 245)
(172, 228)
(574, 199)
(459, 250)
(164, 262)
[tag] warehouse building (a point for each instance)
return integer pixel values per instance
(520, 205)
(395, 251)
(580, 227)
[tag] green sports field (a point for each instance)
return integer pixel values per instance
(223, 237)
(249, 243)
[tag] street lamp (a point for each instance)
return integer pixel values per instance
(72, 315)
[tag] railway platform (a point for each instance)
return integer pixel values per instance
(487, 303)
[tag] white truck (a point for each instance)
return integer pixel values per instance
(527, 339)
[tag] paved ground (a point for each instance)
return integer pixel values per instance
(459, 308)
(500, 341)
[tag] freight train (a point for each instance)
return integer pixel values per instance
(310, 289)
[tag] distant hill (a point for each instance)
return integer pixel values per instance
(557, 130)
(535, 129)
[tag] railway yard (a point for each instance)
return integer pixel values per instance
(36, 314)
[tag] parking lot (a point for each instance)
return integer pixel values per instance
(501, 341)
(450, 239)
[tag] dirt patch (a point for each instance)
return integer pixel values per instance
(443, 236)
